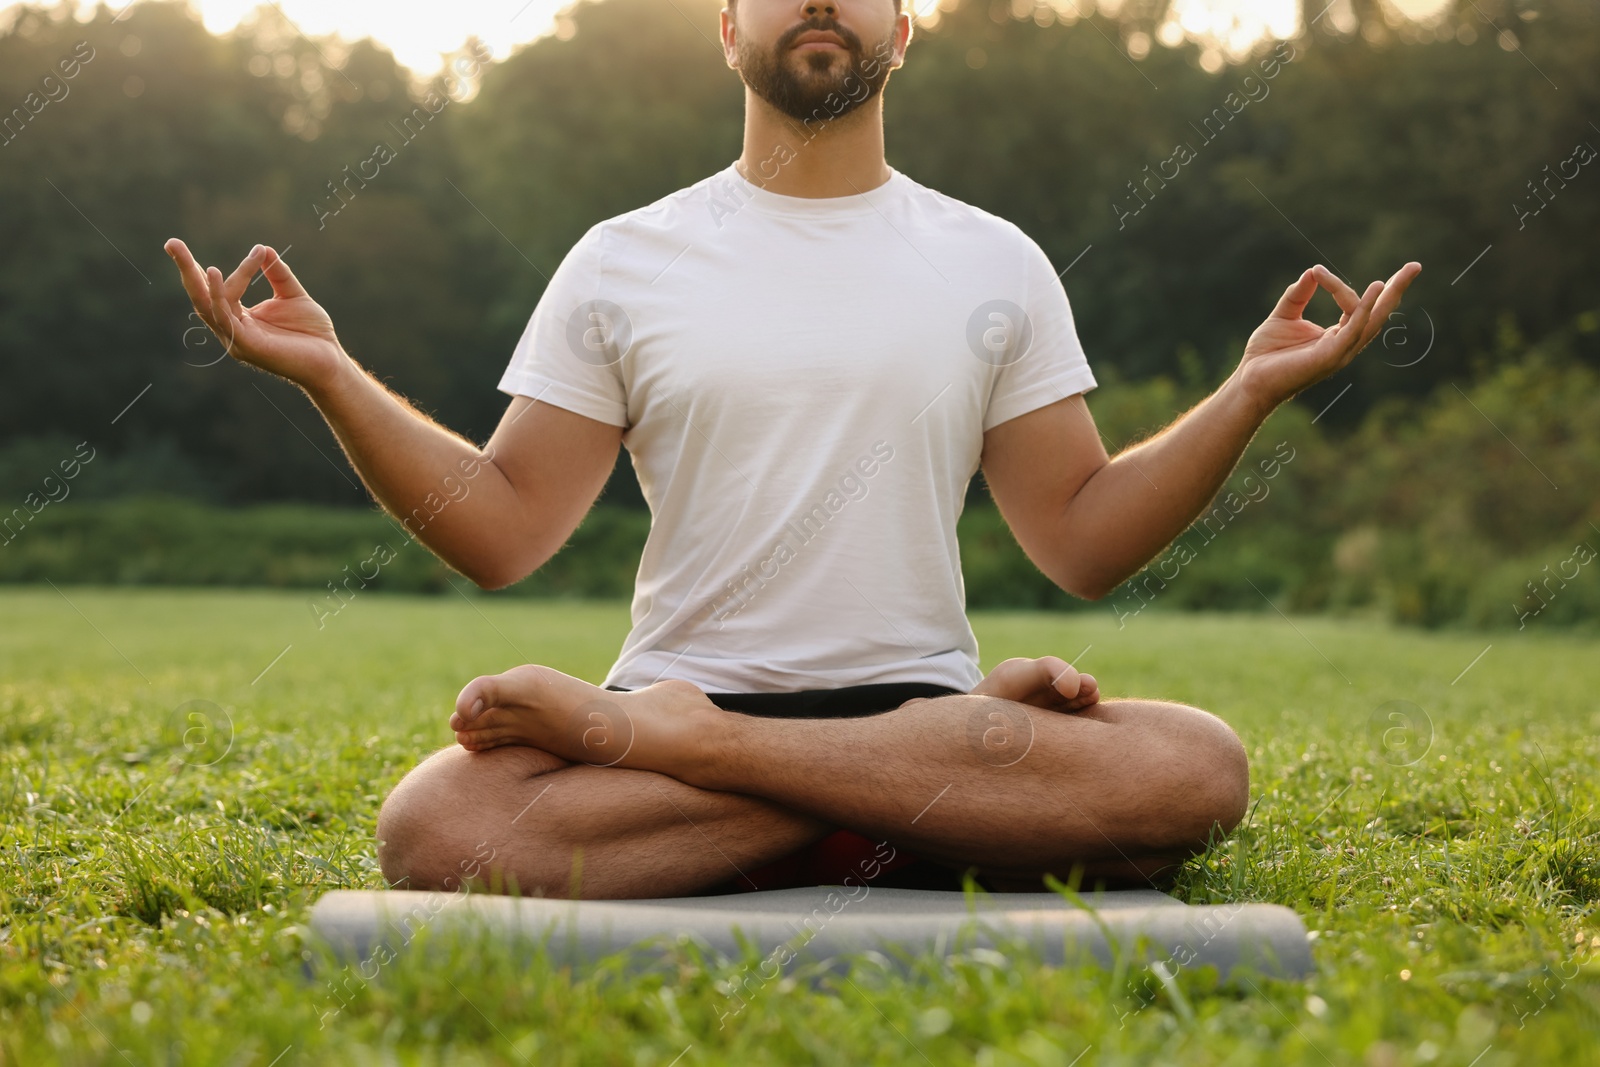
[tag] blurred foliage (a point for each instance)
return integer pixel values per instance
(1307, 523)
(1434, 513)
(1362, 143)
(334, 552)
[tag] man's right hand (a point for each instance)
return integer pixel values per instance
(288, 335)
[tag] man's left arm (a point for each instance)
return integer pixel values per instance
(1089, 521)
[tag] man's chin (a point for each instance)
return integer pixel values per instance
(818, 82)
(819, 63)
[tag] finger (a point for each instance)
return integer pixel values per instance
(224, 323)
(239, 280)
(1297, 296)
(1350, 330)
(279, 276)
(1403, 277)
(1393, 290)
(192, 276)
(1342, 294)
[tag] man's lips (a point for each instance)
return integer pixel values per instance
(818, 40)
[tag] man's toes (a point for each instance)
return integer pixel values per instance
(487, 736)
(1061, 676)
(518, 686)
(1088, 691)
(493, 721)
(476, 716)
(494, 717)
(482, 742)
(1008, 677)
(473, 698)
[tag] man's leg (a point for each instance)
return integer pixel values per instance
(1124, 787)
(554, 828)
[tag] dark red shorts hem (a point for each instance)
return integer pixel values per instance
(844, 858)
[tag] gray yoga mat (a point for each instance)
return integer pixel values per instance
(827, 924)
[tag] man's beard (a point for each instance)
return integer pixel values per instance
(823, 95)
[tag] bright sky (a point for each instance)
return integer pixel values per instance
(418, 33)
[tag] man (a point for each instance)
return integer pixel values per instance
(807, 356)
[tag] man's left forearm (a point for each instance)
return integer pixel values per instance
(1147, 495)
(1106, 525)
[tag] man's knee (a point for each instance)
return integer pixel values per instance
(1214, 772)
(433, 829)
(1198, 787)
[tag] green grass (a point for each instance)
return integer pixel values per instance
(156, 870)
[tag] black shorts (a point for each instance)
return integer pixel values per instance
(850, 702)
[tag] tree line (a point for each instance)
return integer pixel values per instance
(1177, 202)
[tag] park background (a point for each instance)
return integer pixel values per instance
(1445, 479)
(201, 707)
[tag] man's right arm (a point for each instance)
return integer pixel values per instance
(495, 514)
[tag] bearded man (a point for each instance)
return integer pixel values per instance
(808, 356)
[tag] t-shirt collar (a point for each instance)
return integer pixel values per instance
(827, 207)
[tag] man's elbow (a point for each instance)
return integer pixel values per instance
(1083, 585)
(500, 572)
(491, 574)
(490, 581)
(493, 578)
(1087, 591)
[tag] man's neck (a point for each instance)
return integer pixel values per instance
(836, 157)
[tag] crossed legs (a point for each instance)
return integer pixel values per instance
(564, 789)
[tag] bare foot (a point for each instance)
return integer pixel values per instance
(1048, 682)
(650, 728)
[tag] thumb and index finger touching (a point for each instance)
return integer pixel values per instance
(1295, 298)
(262, 257)
(1361, 315)
(279, 276)
(1292, 304)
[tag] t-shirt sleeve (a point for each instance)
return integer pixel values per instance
(570, 352)
(1053, 366)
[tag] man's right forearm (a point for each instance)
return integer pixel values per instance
(444, 490)
(493, 518)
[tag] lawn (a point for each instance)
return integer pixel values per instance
(183, 773)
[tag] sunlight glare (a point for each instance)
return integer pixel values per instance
(423, 37)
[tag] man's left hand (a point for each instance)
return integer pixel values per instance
(1288, 353)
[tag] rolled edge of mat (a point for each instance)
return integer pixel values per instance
(1236, 939)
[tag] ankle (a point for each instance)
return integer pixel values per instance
(703, 737)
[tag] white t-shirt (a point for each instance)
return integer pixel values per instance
(804, 385)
